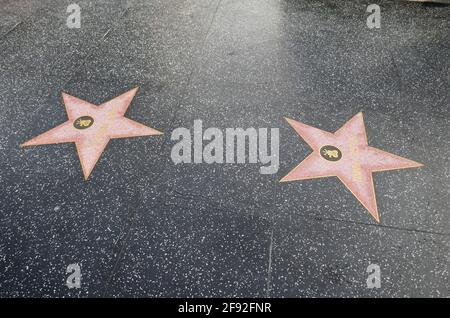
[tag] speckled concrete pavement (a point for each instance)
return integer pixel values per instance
(143, 226)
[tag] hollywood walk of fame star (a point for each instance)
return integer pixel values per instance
(91, 127)
(345, 154)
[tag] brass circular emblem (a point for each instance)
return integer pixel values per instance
(83, 122)
(330, 153)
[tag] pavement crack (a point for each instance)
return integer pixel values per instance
(269, 267)
(381, 225)
(90, 52)
(106, 34)
(194, 69)
(121, 243)
(123, 14)
(11, 30)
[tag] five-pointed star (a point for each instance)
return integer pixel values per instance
(91, 127)
(346, 155)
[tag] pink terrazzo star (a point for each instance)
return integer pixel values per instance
(91, 127)
(346, 155)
